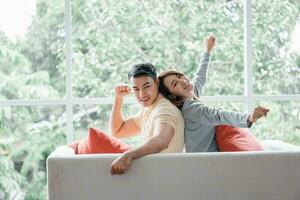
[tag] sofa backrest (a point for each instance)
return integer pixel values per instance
(208, 176)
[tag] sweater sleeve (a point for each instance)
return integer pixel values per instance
(196, 112)
(200, 75)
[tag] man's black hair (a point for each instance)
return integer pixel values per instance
(145, 69)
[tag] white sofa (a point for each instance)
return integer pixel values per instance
(268, 175)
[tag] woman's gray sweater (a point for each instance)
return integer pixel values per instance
(201, 120)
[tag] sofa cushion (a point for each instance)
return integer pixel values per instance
(97, 141)
(236, 139)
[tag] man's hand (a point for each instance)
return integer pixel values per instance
(210, 43)
(155, 144)
(121, 164)
(258, 112)
(122, 90)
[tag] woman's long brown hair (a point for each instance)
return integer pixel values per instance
(176, 100)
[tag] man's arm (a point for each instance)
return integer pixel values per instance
(155, 144)
(119, 126)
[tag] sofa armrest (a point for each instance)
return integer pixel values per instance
(277, 145)
(62, 151)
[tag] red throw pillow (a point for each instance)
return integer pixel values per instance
(98, 142)
(236, 139)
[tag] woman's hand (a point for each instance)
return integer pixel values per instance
(210, 43)
(258, 112)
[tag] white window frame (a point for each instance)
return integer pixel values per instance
(69, 101)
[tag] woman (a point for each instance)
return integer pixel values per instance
(201, 120)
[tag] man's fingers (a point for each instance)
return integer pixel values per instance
(112, 170)
(117, 170)
(124, 88)
(120, 170)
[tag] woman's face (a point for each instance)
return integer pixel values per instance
(179, 85)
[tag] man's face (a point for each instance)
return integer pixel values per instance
(145, 90)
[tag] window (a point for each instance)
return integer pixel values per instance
(109, 37)
(32, 50)
(276, 66)
(28, 135)
(281, 123)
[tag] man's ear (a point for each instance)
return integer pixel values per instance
(157, 81)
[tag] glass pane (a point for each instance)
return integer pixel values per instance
(32, 62)
(86, 116)
(281, 123)
(27, 136)
(276, 52)
(111, 36)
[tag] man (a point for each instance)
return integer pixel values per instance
(160, 121)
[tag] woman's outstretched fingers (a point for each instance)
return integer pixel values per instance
(259, 112)
(265, 110)
(210, 42)
(212, 37)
